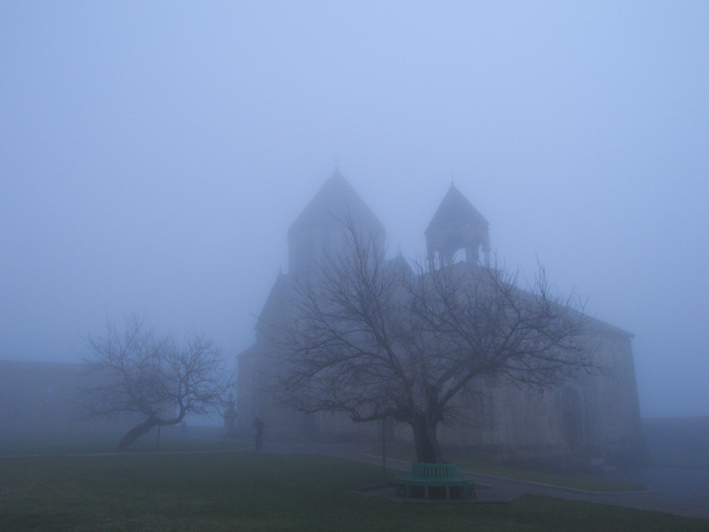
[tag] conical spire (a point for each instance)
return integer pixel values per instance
(455, 213)
(456, 225)
(319, 228)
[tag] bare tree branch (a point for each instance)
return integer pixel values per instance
(133, 370)
(371, 339)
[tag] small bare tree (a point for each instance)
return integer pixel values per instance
(370, 339)
(133, 370)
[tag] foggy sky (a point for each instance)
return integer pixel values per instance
(153, 156)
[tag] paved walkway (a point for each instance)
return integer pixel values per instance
(668, 489)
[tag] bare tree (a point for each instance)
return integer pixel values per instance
(133, 370)
(370, 338)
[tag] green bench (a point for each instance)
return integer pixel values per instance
(435, 479)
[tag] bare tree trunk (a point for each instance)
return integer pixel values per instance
(426, 441)
(136, 432)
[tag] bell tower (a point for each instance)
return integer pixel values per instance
(455, 226)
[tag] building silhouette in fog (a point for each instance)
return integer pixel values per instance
(40, 399)
(590, 416)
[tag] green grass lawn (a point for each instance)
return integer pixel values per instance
(466, 463)
(206, 439)
(246, 491)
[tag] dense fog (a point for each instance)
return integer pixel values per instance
(154, 155)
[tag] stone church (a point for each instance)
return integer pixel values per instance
(592, 417)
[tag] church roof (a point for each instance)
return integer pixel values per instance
(333, 203)
(277, 307)
(455, 211)
(606, 327)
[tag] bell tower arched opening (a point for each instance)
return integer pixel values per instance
(457, 232)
